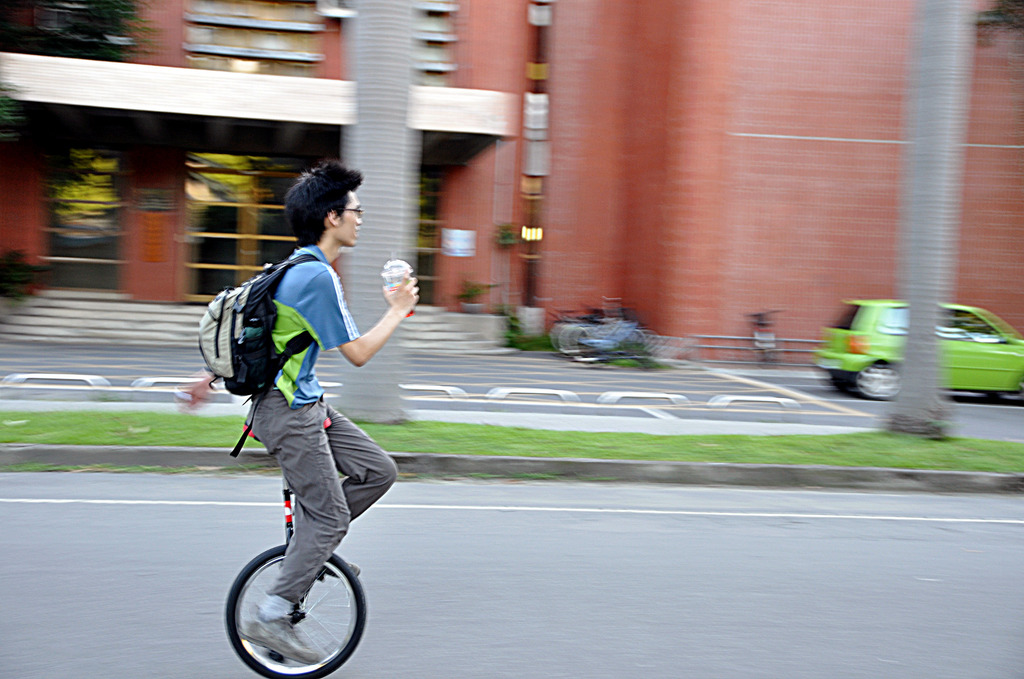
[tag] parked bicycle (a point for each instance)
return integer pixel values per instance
(620, 340)
(574, 335)
(569, 328)
(330, 616)
(763, 333)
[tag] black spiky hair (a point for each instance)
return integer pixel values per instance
(318, 191)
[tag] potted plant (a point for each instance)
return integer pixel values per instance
(468, 295)
(16, 278)
(506, 235)
(12, 115)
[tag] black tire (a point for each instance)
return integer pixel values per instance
(334, 623)
(1016, 395)
(839, 384)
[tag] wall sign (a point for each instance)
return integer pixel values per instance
(458, 242)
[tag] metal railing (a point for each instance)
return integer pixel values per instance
(740, 349)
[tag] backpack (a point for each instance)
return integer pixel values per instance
(235, 336)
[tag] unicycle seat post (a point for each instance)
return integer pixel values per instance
(289, 526)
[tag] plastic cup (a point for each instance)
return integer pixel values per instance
(394, 273)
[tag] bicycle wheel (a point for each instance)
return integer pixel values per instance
(638, 342)
(555, 330)
(331, 616)
(569, 336)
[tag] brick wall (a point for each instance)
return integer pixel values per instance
(22, 200)
(713, 159)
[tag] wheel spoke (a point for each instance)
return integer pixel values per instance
(328, 590)
(332, 623)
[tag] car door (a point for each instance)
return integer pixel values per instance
(975, 354)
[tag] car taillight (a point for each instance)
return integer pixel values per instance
(859, 344)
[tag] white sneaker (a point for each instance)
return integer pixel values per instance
(279, 635)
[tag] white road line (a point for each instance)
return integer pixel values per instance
(185, 503)
(563, 510)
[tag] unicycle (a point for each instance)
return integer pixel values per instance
(331, 615)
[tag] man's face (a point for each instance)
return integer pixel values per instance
(349, 220)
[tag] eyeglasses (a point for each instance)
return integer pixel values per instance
(358, 210)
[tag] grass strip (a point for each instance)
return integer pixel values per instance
(868, 449)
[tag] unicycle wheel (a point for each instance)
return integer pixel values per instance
(330, 617)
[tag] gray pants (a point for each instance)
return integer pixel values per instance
(311, 458)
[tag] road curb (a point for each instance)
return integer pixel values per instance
(681, 473)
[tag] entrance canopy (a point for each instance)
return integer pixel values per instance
(122, 103)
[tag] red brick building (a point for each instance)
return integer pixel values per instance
(701, 160)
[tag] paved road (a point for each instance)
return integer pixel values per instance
(755, 400)
(123, 576)
(811, 400)
(974, 415)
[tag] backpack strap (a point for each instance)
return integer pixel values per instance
(295, 345)
(248, 426)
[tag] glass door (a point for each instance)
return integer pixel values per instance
(236, 221)
(428, 234)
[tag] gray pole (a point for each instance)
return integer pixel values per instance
(388, 153)
(939, 95)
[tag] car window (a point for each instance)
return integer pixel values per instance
(845, 321)
(968, 326)
(1001, 326)
(893, 321)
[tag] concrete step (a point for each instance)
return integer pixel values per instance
(101, 318)
(82, 336)
(467, 343)
(60, 293)
(460, 349)
(109, 318)
(117, 340)
(121, 322)
(112, 305)
(437, 334)
(424, 310)
(86, 310)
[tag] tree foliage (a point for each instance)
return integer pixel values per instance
(11, 115)
(108, 30)
(1006, 14)
(1009, 13)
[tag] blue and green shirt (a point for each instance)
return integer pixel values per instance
(309, 298)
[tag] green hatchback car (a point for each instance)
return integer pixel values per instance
(863, 350)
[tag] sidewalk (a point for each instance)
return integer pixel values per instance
(775, 476)
(437, 465)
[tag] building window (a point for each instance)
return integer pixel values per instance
(435, 36)
(60, 16)
(249, 36)
(236, 220)
(85, 189)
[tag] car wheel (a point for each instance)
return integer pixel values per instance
(879, 382)
(1016, 395)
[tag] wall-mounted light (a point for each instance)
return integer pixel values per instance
(531, 233)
